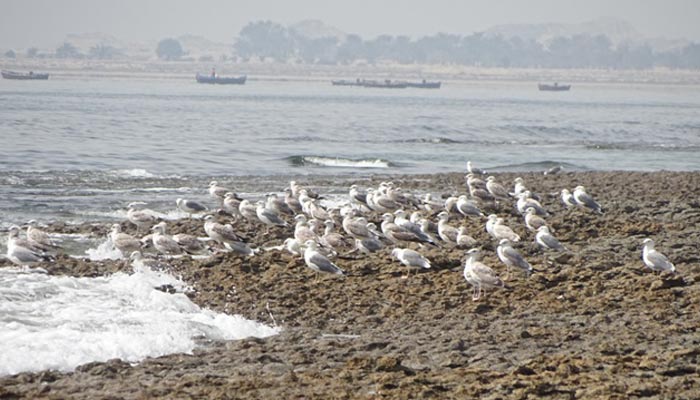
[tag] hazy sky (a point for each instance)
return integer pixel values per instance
(45, 23)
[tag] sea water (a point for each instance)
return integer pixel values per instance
(60, 322)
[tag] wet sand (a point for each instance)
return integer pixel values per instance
(593, 323)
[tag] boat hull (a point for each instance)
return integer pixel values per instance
(24, 76)
(553, 88)
(218, 80)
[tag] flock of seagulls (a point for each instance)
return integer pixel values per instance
(369, 221)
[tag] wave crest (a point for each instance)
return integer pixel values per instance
(338, 162)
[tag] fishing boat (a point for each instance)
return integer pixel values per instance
(346, 82)
(221, 80)
(31, 75)
(425, 84)
(385, 84)
(553, 88)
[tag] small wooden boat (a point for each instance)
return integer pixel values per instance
(553, 88)
(221, 80)
(425, 84)
(31, 75)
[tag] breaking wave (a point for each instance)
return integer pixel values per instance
(338, 162)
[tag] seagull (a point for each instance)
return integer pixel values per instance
(291, 201)
(248, 211)
(368, 245)
(357, 197)
(164, 243)
(655, 260)
(356, 227)
(463, 239)
(189, 206)
(554, 170)
(495, 188)
(585, 200)
(479, 275)
(216, 191)
(293, 246)
(140, 263)
(40, 239)
(332, 239)
(474, 170)
(231, 204)
(532, 220)
(467, 207)
(125, 243)
(278, 204)
(20, 255)
(446, 232)
(511, 257)
(268, 216)
(190, 244)
(548, 242)
(411, 258)
(519, 187)
(500, 231)
(317, 261)
(568, 199)
(400, 220)
(525, 201)
(224, 235)
(137, 216)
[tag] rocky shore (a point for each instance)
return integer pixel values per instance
(591, 323)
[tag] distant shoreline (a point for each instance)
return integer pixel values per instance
(302, 72)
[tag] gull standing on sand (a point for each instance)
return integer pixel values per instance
(317, 261)
(190, 207)
(568, 199)
(190, 244)
(495, 188)
(500, 231)
(447, 232)
(586, 201)
(268, 216)
(655, 260)
(411, 258)
(511, 257)
(231, 204)
(248, 211)
(519, 187)
(20, 255)
(467, 207)
(532, 220)
(463, 238)
(547, 241)
(125, 243)
(480, 276)
(525, 201)
(224, 235)
(163, 242)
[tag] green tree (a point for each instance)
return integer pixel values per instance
(10, 54)
(32, 51)
(169, 49)
(103, 52)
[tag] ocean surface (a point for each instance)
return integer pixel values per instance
(76, 150)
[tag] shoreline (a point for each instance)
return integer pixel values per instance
(594, 323)
(155, 69)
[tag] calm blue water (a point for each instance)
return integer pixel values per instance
(74, 147)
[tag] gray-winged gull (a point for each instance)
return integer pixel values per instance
(163, 242)
(317, 261)
(267, 216)
(511, 257)
(411, 258)
(447, 232)
(463, 238)
(40, 239)
(20, 255)
(495, 188)
(532, 220)
(585, 200)
(474, 170)
(224, 235)
(190, 206)
(140, 217)
(216, 191)
(480, 276)
(547, 241)
(568, 199)
(125, 243)
(655, 260)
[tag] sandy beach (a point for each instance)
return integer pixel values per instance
(590, 323)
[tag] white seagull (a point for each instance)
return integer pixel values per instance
(586, 201)
(511, 257)
(655, 260)
(190, 206)
(317, 261)
(480, 276)
(411, 258)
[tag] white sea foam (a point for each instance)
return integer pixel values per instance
(136, 173)
(346, 163)
(105, 251)
(58, 322)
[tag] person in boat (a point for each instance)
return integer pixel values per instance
(213, 72)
